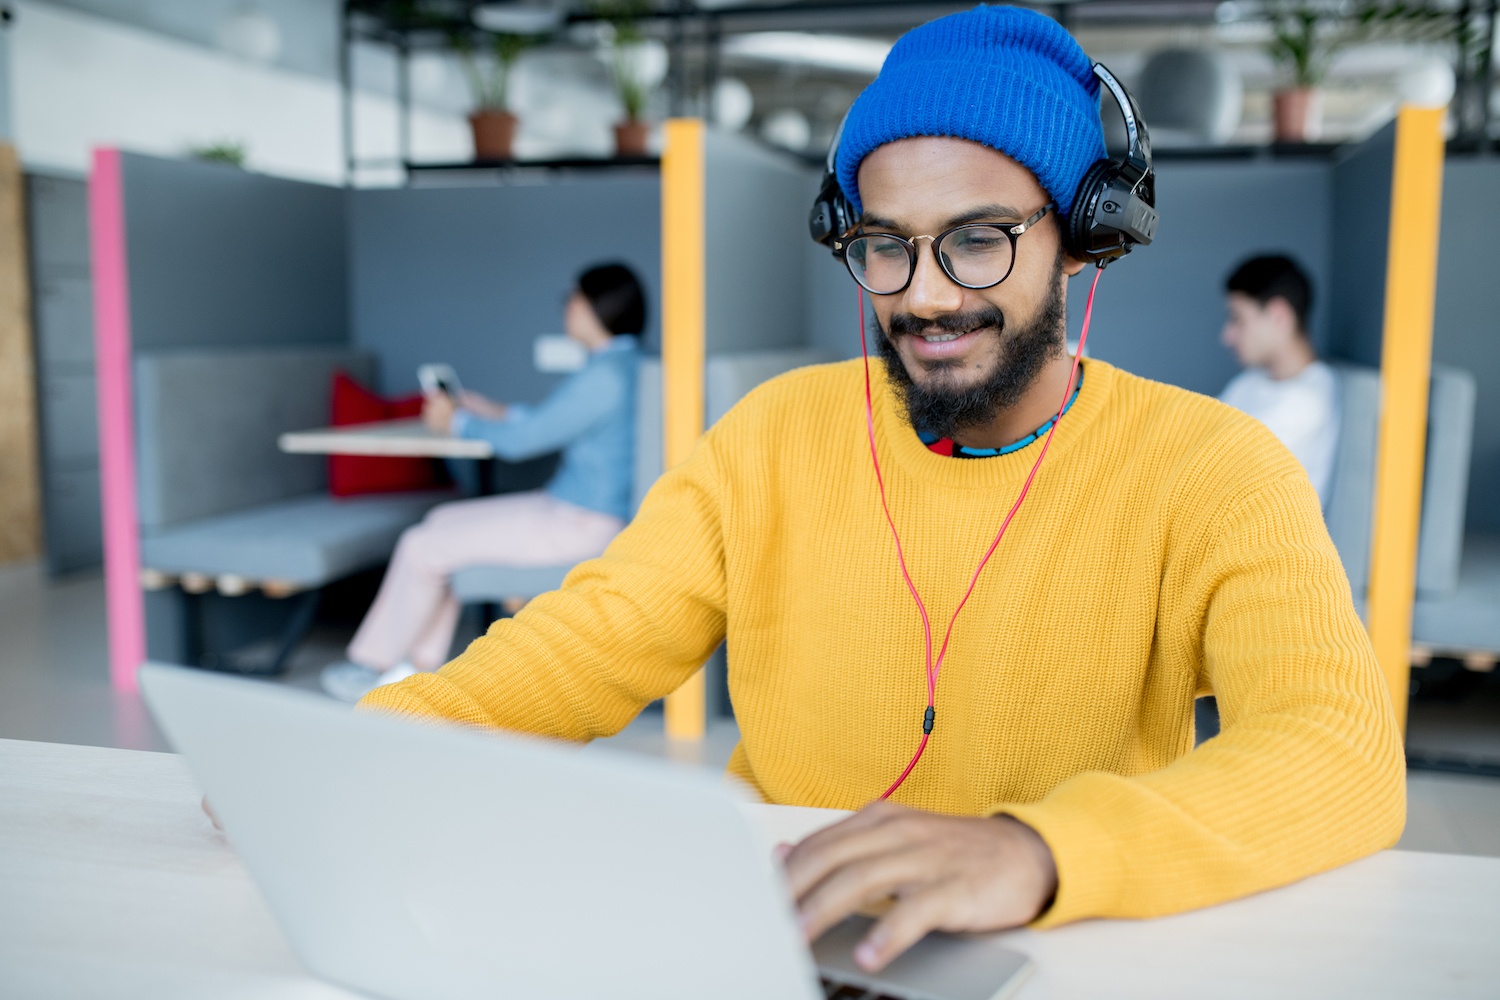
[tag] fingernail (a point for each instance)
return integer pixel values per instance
(867, 955)
(780, 851)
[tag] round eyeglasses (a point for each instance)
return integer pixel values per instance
(974, 255)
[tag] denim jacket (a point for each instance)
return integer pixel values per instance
(591, 417)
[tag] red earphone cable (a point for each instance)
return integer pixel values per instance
(934, 666)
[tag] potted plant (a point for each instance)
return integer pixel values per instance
(1306, 36)
(1303, 44)
(226, 151)
(492, 122)
(631, 56)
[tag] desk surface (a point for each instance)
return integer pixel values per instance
(114, 884)
(400, 438)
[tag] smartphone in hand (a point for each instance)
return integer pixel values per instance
(436, 378)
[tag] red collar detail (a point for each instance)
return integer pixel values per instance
(942, 446)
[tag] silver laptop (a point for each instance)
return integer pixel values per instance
(424, 862)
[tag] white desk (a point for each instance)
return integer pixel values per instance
(402, 438)
(114, 885)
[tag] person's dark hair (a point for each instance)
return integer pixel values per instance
(1275, 277)
(614, 293)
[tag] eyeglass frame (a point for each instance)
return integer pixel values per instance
(1014, 232)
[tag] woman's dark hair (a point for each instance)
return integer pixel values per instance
(1267, 278)
(614, 293)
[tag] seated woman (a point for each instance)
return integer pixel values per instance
(590, 418)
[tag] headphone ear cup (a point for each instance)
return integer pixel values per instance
(1079, 236)
(832, 215)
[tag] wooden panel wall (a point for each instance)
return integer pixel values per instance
(20, 494)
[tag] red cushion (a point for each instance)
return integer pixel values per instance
(351, 475)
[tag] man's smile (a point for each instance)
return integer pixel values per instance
(944, 345)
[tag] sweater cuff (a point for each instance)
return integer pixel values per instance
(1090, 869)
(426, 696)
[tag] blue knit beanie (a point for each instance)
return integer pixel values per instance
(1006, 77)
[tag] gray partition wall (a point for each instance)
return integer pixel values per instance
(1361, 207)
(1159, 311)
(755, 222)
(830, 308)
(1466, 325)
(63, 325)
(222, 257)
(470, 276)
(1466, 330)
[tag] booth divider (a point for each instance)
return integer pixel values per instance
(682, 345)
(1405, 367)
(124, 601)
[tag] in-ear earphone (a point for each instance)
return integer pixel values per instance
(1113, 212)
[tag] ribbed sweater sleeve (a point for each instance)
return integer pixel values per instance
(625, 629)
(1307, 772)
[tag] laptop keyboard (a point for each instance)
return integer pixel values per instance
(834, 990)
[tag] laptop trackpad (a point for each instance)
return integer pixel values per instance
(939, 967)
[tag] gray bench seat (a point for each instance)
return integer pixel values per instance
(491, 584)
(308, 540)
(1468, 618)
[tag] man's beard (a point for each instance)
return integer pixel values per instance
(944, 409)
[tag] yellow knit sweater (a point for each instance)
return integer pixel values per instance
(1169, 547)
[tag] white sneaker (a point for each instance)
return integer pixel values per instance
(350, 681)
(399, 672)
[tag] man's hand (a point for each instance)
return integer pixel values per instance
(944, 873)
(437, 413)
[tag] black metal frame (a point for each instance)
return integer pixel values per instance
(1421, 760)
(197, 650)
(404, 26)
(561, 163)
(1471, 92)
(1013, 232)
(398, 24)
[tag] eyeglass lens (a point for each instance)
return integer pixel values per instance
(975, 256)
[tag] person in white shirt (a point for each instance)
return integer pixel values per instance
(1284, 385)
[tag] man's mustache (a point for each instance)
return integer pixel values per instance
(902, 324)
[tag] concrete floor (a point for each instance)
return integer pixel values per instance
(54, 687)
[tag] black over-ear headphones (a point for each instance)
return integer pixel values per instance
(1113, 212)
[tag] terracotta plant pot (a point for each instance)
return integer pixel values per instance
(1298, 114)
(494, 132)
(631, 137)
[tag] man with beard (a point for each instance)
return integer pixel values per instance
(1169, 547)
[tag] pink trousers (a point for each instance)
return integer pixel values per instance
(414, 614)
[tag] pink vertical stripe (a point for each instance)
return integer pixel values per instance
(122, 551)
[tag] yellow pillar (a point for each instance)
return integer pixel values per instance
(682, 276)
(1405, 367)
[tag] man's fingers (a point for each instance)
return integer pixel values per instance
(908, 921)
(855, 886)
(859, 836)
